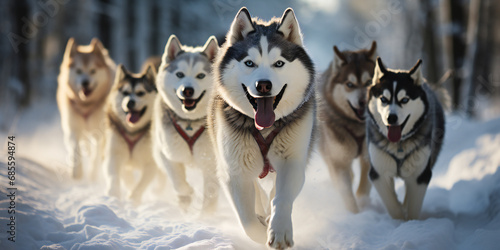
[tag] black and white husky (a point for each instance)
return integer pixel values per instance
(128, 139)
(185, 84)
(405, 132)
(261, 121)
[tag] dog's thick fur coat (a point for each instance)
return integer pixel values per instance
(261, 119)
(341, 118)
(85, 79)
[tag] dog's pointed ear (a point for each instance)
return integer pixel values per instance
(96, 45)
(416, 73)
(339, 57)
(121, 73)
(70, 48)
(211, 47)
(372, 52)
(172, 49)
(289, 27)
(379, 71)
(241, 26)
(150, 76)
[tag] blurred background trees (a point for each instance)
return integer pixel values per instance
(455, 35)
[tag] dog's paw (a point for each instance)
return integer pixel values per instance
(364, 202)
(263, 220)
(114, 192)
(136, 198)
(280, 234)
(184, 202)
(280, 240)
(77, 173)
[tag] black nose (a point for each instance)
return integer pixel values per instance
(392, 119)
(362, 103)
(85, 83)
(130, 104)
(264, 86)
(188, 92)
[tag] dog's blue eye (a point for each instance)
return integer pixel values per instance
(350, 85)
(405, 100)
(92, 71)
(179, 74)
(384, 100)
(126, 93)
(140, 93)
(200, 76)
(249, 63)
(279, 64)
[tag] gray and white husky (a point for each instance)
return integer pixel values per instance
(341, 119)
(128, 138)
(405, 132)
(261, 120)
(185, 84)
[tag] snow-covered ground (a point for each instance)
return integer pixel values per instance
(461, 209)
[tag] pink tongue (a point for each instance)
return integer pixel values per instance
(361, 112)
(133, 116)
(264, 116)
(394, 133)
(87, 92)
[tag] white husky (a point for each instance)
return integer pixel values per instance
(86, 76)
(184, 84)
(261, 120)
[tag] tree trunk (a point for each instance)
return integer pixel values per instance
(455, 16)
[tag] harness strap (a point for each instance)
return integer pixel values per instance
(189, 140)
(264, 145)
(85, 115)
(359, 139)
(131, 142)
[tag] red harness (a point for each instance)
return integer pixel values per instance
(264, 145)
(359, 139)
(85, 115)
(189, 140)
(131, 142)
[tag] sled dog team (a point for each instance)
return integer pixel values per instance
(252, 109)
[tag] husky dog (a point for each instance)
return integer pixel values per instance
(341, 119)
(86, 76)
(405, 132)
(261, 120)
(185, 84)
(128, 139)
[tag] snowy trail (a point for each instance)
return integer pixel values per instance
(461, 209)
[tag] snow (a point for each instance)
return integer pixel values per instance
(461, 209)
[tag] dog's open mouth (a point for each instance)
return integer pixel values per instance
(87, 91)
(134, 116)
(263, 108)
(394, 131)
(360, 113)
(190, 103)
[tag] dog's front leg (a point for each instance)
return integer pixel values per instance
(96, 170)
(177, 174)
(240, 189)
(385, 188)
(289, 181)
(210, 189)
(112, 164)
(74, 153)
(363, 192)
(148, 173)
(341, 174)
